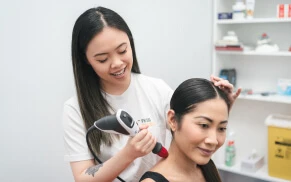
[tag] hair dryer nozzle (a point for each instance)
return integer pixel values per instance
(160, 150)
(163, 152)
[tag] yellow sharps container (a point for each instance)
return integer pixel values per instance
(279, 146)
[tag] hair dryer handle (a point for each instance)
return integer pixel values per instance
(132, 128)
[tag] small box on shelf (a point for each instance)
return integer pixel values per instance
(252, 163)
(284, 87)
(224, 16)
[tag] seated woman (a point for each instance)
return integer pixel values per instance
(198, 119)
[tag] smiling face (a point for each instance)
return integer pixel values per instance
(202, 131)
(110, 55)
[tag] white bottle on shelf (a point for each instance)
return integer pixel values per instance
(239, 9)
(250, 7)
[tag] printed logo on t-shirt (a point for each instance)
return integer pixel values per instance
(146, 121)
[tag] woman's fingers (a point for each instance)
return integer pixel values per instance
(148, 144)
(141, 135)
(236, 94)
(142, 143)
(226, 87)
(143, 126)
(213, 78)
(146, 141)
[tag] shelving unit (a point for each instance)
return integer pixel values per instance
(261, 174)
(255, 20)
(258, 71)
(270, 98)
(253, 53)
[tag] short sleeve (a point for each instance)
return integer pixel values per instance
(76, 148)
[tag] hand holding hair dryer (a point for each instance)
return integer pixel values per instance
(122, 123)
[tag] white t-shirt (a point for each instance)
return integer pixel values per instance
(147, 100)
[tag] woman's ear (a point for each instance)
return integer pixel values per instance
(171, 120)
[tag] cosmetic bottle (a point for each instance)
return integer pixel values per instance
(239, 10)
(250, 7)
(230, 151)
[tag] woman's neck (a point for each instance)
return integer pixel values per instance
(181, 161)
(178, 167)
(116, 89)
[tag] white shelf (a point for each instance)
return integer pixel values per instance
(256, 70)
(260, 174)
(270, 98)
(255, 20)
(253, 53)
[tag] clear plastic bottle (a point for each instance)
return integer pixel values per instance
(230, 151)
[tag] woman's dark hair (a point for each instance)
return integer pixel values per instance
(92, 104)
(192, 92)
(185, 99)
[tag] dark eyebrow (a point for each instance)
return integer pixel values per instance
(99, 54)
(210, 120)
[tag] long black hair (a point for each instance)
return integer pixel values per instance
(92, 104)
(185, 99)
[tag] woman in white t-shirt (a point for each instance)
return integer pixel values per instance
(107, 78)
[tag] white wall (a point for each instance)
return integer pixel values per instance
(172, 41)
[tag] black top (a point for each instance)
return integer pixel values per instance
(153, 175)
(209, 171)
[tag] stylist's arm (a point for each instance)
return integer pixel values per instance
(137, 146)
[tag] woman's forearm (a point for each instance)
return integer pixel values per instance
(106, 171)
